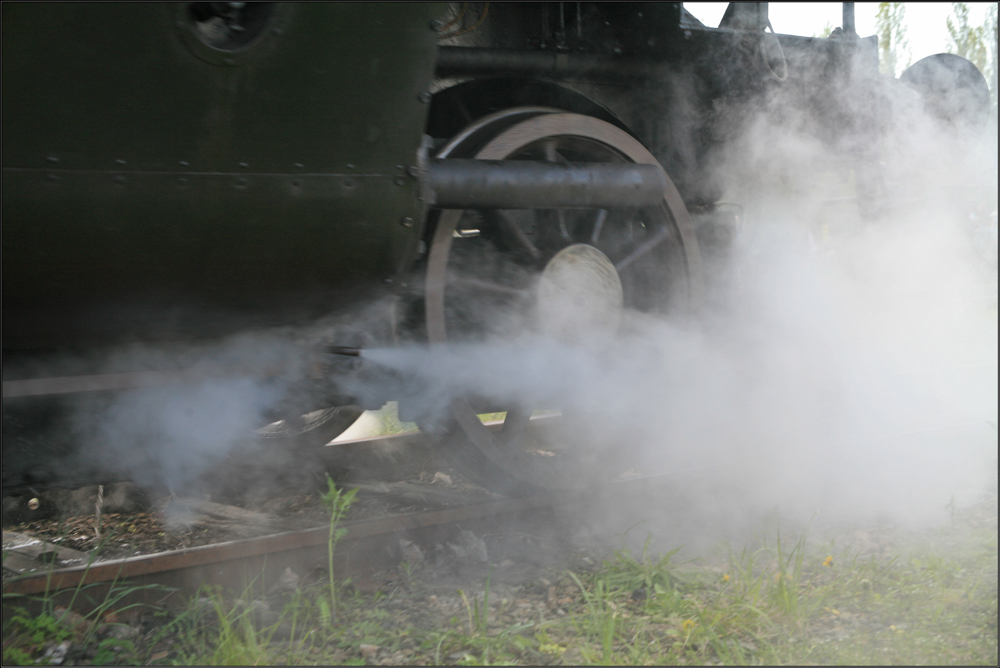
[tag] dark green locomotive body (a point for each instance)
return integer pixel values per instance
(161, 181)
(191, 170)
(180, 173)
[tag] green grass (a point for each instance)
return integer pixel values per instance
(787, 600)
(27, 637)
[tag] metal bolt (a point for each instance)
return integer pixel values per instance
(436, 24)
(182, 181)
(406, 221)
(298, 165)
(120, 161)
(53, 159)
(229, 61)
(244, 165)
(52, 177)
(241, 183)
(184, 163)
(350, 166)
(119, 179)
(424, 98)
(400, 182)
(400, 167)
(413, 171)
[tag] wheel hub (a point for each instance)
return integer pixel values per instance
(579, 296)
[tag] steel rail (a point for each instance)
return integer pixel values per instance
(213, 560)
(223, 553)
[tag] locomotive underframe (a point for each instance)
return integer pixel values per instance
(206, 192)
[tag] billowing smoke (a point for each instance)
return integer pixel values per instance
(165, 437)
(853, 368)
(202, 433)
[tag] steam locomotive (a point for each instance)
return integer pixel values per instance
(185, 172)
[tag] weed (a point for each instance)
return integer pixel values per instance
(212, 632)
(14, 656)
(601, 617)
(337, 501)
(24, 634)
(478, 621)
(626, 572)
(787, 579)
(407, 569)
(108, 651)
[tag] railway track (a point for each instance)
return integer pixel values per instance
(368, 546)
(425, 514)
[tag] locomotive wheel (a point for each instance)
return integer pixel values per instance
(494, 274)
(314, 429)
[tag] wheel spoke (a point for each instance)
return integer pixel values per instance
(602, 216)
(651, 242)
(512, 231)
(550, 151)
(563, 231)
(515, 423)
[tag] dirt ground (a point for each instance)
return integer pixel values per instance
(133, 523)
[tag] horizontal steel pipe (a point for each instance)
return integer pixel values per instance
(475, 61)
(524, 184)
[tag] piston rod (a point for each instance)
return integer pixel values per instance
(526, 184)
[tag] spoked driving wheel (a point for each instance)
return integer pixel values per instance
(562, 276)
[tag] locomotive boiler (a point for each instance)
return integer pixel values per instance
(181, 173)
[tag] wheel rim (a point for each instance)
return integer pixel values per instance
(652, 252)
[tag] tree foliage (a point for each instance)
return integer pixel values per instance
(892, 43)
(827, 29)
(990, 30)
(976, 43)
(966, 40)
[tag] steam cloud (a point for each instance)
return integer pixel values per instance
(854, 369)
